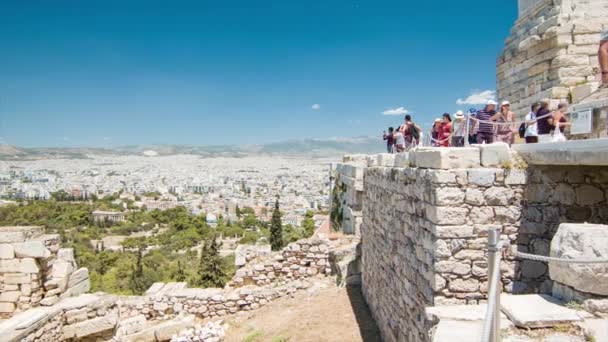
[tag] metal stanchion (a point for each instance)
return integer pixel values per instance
(493, 254)
(466, 134)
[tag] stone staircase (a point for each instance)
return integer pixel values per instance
(524, 318)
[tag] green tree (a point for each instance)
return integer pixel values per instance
(308, 224)
(276, 228)
(180, 273)
(238, 211)
(137, 283)
(211, 266)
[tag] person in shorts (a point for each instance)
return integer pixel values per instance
(458, 129)
(485, 129)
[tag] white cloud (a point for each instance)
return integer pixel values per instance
(478, 97)
(396, 111)
(316, 106)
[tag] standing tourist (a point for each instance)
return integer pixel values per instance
(531, 134)
(559, 122)
(505, 131)
(472, 126)
(399, 141)
(485, 128)
(445, 130)
(543, 117)
(603, 57)
(411, 132)
(390, 139)
(458, 129)
(435, 132)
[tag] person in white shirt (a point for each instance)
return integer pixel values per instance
(531, 134)
(399, 141)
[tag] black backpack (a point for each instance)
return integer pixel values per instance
(522, 130)
(414, 132)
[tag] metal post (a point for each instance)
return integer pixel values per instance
(466, 134)
(493, 250)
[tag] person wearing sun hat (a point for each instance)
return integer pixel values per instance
(458, 129)
(505, 132)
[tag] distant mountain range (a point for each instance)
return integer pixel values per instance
(315, 148)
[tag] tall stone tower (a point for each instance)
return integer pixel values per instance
(551, 52)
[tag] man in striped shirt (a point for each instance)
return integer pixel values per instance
(485, 130)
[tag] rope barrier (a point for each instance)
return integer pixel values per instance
(517, 122)
(554, 259)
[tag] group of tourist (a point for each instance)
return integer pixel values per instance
(490, 125)
(484, 126)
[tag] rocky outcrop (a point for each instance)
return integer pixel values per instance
(35, 271)
(581, 241)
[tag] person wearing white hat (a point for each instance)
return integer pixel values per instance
(458, 129)
(505, 131)
(485, 129)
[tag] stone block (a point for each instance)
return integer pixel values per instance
(12, 237)
(166, 330)
(385, 159)
(10, 296)
(516, 177)
(62, 268)
(569, 60)
(582, 91)
(482, 177)
(31, 249)
(48, 301)
(536, 311)
(91, 326)
(447, 215)
(453, 232)
(17, 278)
(402, 159)
(495, 154)
(581, 241)
(587, 195)
(78, 289)
(130, 325)
(27, 265)
(78, 276)
(6, 251)
(7, 307)
(447, 157)
(66, 254)
(448, 196)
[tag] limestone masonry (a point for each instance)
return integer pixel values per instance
(35, 271)
(551, 52)
(425, 219)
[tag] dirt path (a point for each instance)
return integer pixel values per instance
(323, 313)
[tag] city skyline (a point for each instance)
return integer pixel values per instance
(208, 74)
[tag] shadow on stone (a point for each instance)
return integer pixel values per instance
(367, 325)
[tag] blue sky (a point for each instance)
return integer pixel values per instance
(108, 73)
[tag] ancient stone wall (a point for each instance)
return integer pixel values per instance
(301, 259)
(551, 52)
(35, 271)
(555, 195)
(425, 223)
(424, 236)
(347, 197)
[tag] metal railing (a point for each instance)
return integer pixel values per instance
(491, 326)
